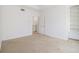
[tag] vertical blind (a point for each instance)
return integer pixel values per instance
(74, 20)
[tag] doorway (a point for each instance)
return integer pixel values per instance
(35, 24)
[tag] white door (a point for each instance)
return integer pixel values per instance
(42, 25)
(74, 22)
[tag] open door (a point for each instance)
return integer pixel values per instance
(42, 25)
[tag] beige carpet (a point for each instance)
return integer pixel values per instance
(38, 43)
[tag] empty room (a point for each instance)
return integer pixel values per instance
(39, 28)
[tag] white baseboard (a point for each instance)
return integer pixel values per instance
(16, 37)
(57, 37)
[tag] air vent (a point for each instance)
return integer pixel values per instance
(22, 9)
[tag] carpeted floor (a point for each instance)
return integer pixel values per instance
(38, 43)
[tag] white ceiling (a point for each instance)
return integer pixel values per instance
(39, 7)
(34, 6)
(44, 6)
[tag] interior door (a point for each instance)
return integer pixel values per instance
(42, 25)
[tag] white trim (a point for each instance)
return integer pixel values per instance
(16, 37)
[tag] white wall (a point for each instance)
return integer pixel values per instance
(16, 23)
(56, 21)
